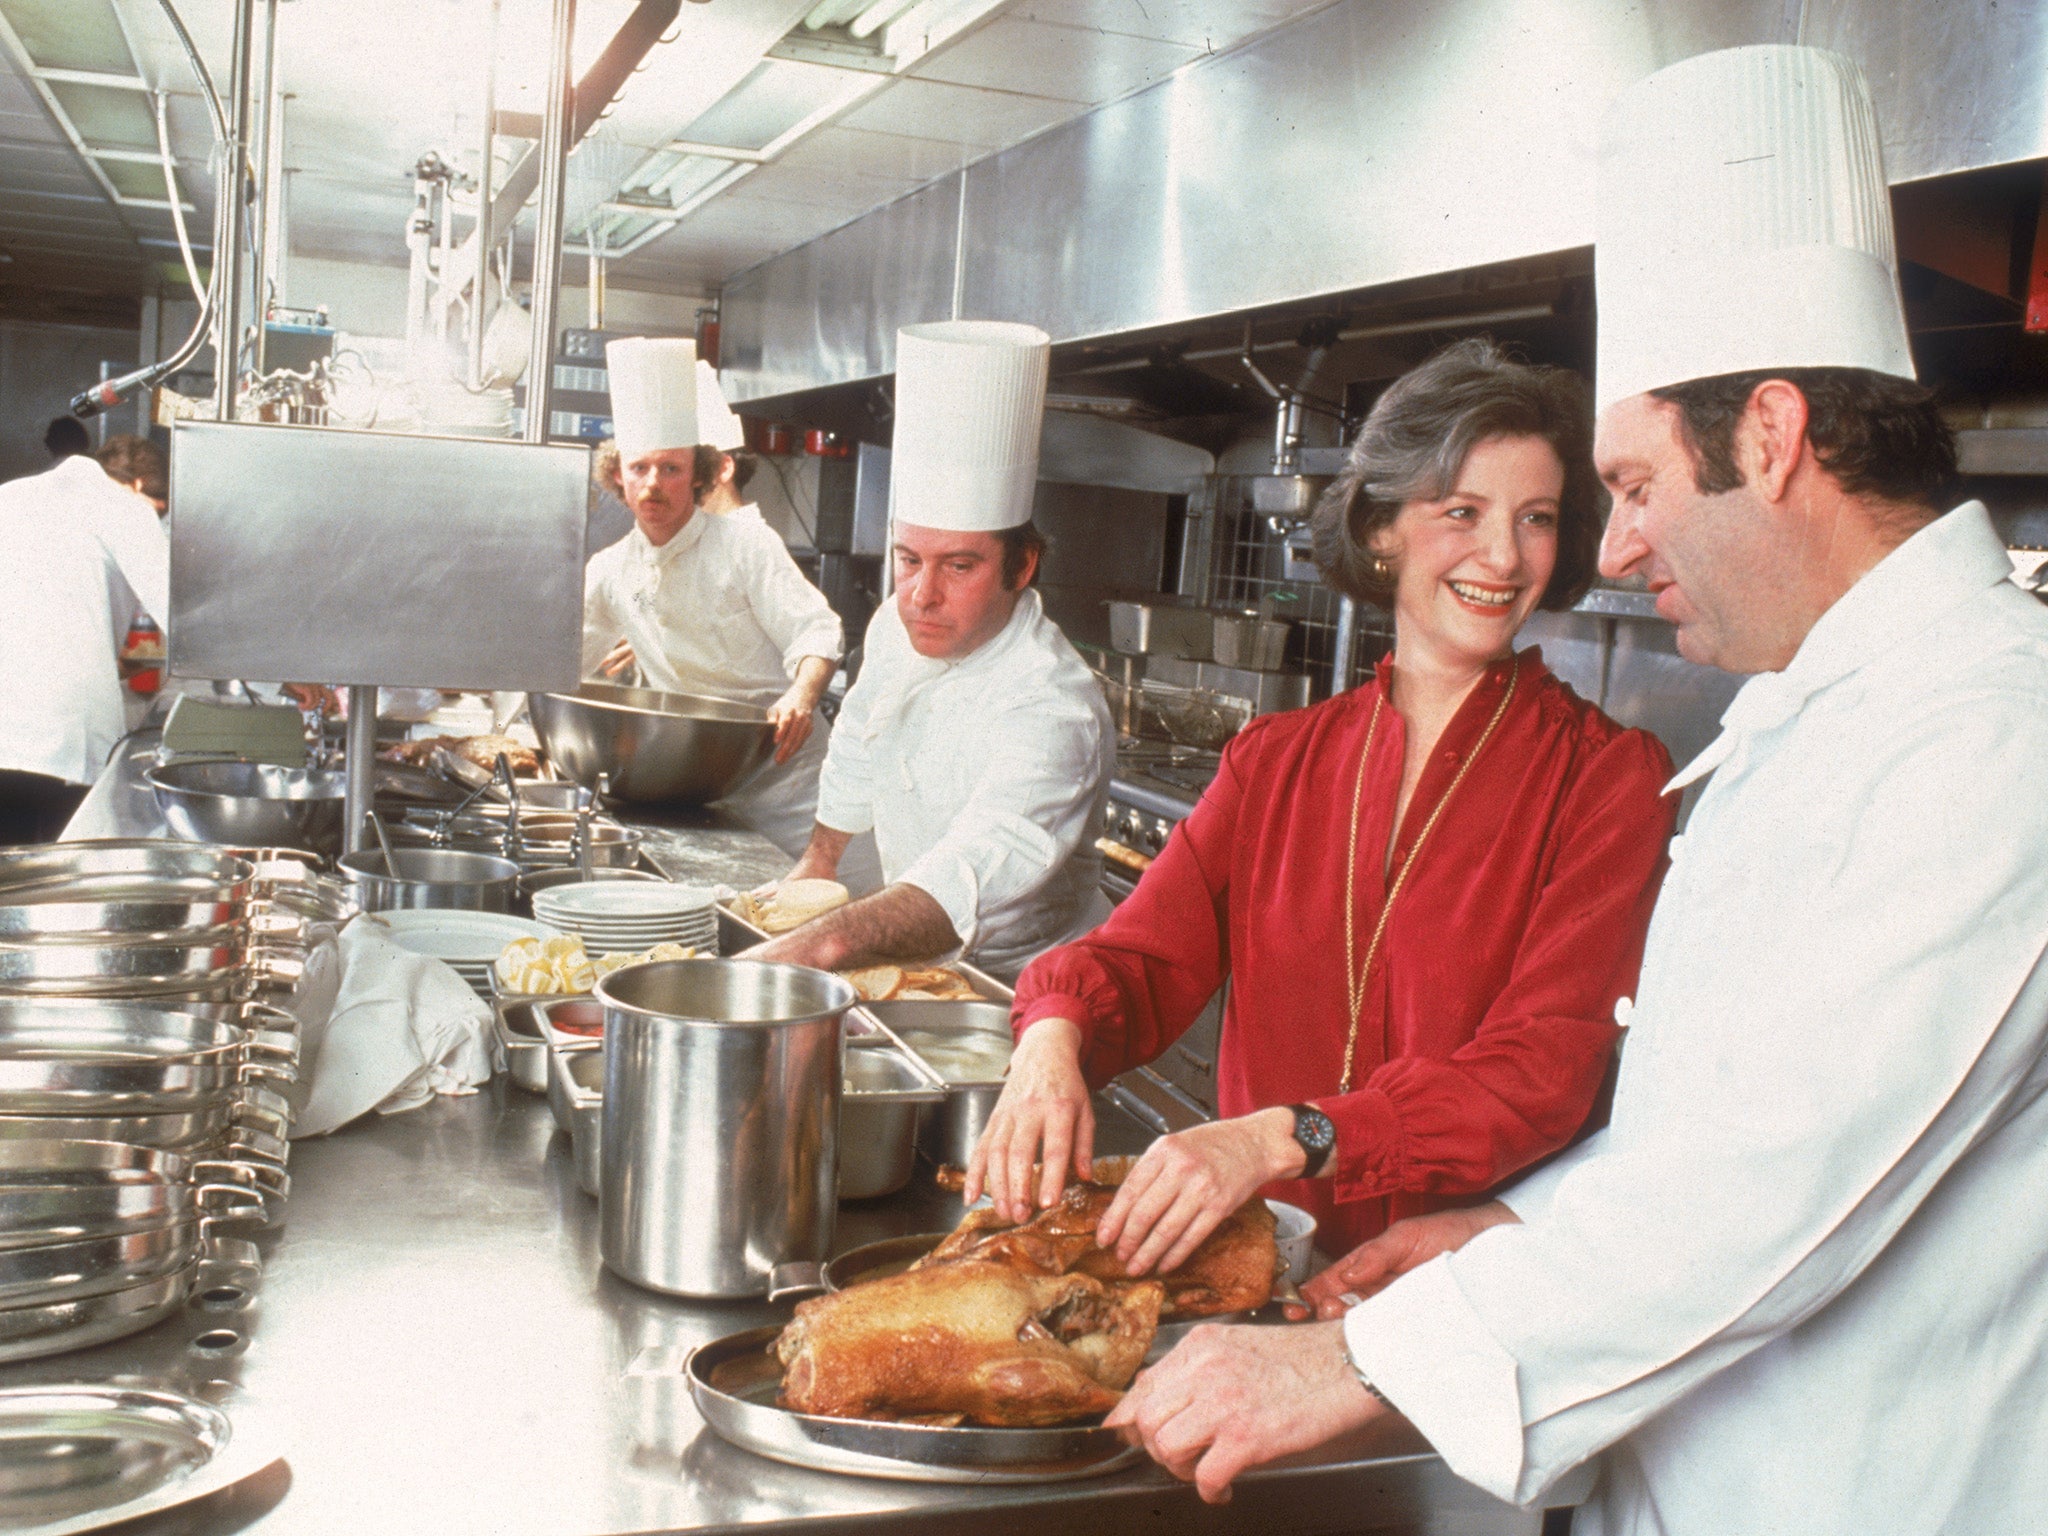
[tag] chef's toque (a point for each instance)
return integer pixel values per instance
(970, 399)
(1744, 223)
(717, 426)
(654, 394)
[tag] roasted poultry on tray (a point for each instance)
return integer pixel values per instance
(1013, 1325)
(973, 1341)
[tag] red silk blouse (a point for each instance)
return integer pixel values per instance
(1487, 1023)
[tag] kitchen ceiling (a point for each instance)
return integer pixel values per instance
(750, 129)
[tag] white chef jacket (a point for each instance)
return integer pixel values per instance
(721, 610)
(73, 546)
(1798, 1283)
(983, 778)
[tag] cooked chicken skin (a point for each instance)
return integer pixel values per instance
(1232, 1271)
(995, 1344)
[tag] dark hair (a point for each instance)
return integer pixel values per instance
(605, 469)
(65, 436)
(1879, 436)
(1417, 439)
(744, 463)
(1020, 545)
(129, 458)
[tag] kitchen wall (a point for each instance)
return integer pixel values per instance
(41, 368)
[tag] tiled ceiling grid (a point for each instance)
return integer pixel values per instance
(748, 132)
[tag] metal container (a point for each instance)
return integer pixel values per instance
(968, 1045)
(882, 1097)
(1249, 642)
(657, 748)
(560, 1085)
(526, 1054)
(251, 805)
(721, 1110)
(1160, 629)
(431, 877)
(585, 1072)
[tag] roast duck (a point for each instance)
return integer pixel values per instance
(1013, 1326)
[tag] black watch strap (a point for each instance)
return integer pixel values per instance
(1316, 1135)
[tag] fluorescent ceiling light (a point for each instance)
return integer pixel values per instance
(877, 16)
(929, 23)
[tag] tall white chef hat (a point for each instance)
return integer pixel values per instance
(654, 394)
(1744, 223)
(970, 400)
(717, 426)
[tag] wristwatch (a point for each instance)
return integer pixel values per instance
(1316, 1137)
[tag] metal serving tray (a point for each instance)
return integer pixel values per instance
(733, 1382)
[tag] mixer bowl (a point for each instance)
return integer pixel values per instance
(657, 748)
(251, 805)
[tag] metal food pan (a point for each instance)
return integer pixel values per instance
(734, 1381)
(735, 933)
(526, 1053)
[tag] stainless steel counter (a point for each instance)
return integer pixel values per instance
(438, 1349)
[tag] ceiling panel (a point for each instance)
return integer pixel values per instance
(888, 157)
(823, 189)
(957, 114)
(1014, 54)
(1210, 25)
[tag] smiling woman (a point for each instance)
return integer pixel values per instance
(1427, 893)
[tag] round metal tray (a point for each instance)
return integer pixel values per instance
(733, 1382)
(77, 1458)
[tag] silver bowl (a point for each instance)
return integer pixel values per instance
(658, 748)
(251, 805)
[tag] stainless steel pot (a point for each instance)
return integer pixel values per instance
(721, 1111)
(251, 805)
(118, 1058)
(657, 748)
(210, 962)
(80, 869)
(431, 877)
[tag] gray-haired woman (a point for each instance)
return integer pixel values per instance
(1428, 891)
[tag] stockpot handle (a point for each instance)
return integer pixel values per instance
(802, 1279)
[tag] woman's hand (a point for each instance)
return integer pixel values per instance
(1042, 1117)
(1371, 1267)
(1186, 1183)
(617, 659)
(792, 717)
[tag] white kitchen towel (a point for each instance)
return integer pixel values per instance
(404, 1028)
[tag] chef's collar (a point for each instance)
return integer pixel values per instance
(686, 538)
(1948, 562)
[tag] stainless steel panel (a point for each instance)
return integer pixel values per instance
(312, 555)
(1218, 189)
(829, 310)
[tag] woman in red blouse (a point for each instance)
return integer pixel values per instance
(1427, 893)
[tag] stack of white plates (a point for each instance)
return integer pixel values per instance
(468, 941)
(627, 916)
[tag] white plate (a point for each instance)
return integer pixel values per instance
(473, 937)
(625, 899)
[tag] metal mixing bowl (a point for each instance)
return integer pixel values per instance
(658, 748)
(251, 805)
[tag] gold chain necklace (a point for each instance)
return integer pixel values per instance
(1354, 974)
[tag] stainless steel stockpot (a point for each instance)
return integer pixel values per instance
(431, 877)
(721, 1120)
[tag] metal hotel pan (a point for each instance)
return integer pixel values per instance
(733, 1382)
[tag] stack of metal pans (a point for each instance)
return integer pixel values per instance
(101, 1239)
(125, 919)
(194, 1080)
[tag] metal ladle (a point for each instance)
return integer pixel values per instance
(383, 842)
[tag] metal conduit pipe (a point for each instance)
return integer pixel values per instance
(1353, 333)
(228, 248)
(547, 230)
(109, 393)
(480, 284)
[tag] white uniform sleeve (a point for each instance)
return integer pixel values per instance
(1026, 817)
(794, 613)
(1771, 1136)
(133, 537)
(845, 799)
(602, 626)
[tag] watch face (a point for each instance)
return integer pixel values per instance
(1312, 1128)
